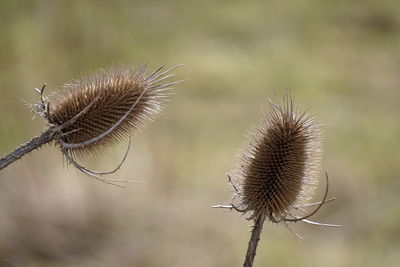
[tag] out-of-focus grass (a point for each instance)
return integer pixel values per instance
(340, 59)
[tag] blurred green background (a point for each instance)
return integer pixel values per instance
(340, 59)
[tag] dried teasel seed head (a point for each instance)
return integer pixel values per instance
(279, 169)
(100, 109)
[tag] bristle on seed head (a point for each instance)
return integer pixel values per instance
(102, 108)
(279, 168)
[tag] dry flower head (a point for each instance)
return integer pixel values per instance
(122, 90)
(278, 171)
(90, 113)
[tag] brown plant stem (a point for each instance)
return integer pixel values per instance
(253, 242)
(36, 142)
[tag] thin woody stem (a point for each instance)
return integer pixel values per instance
(46, 137)
(253, 242)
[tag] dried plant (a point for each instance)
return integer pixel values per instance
(276, 174)
(91, 113)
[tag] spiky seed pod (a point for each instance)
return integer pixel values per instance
(92, 112)
(277, 172)
(279, 168)
(117, 90)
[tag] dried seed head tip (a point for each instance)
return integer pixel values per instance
(106, 106)
(279, 169)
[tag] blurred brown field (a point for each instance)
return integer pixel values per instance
(340, 59)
